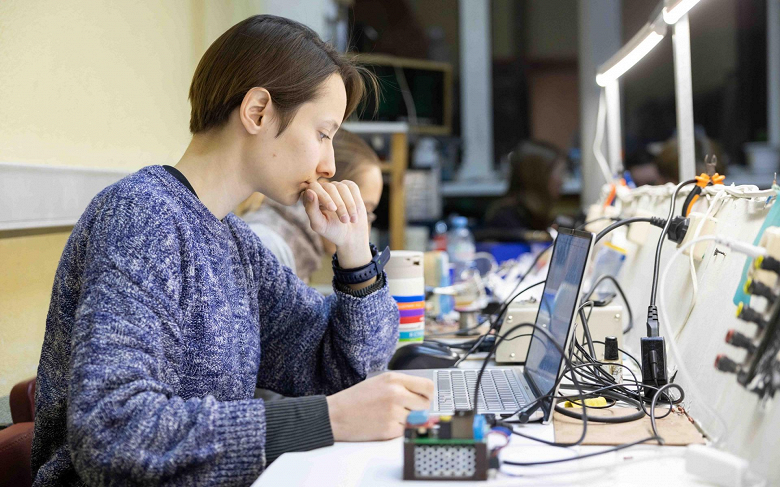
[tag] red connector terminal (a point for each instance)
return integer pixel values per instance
(725, 364)
(737, 339)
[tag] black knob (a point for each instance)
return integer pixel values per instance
(610, 348)
(760, 289)
(725, 364)
(746, 313)
(767, 263)
(737, 339)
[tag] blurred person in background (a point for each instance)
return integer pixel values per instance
(536, 172)
(661, 164)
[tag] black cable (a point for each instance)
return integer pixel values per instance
(623, 351)
(600, 376)
(508, 301)
(585, 327)
(579, 457)
(505, 306)
(628, 418)
(622, 296)
(472, 349)
(492, 326)
(549, 337)
(455, 332)
(657, 263)
(652, 407)
(613, 218)
(658, 222)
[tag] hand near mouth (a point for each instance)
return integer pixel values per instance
(337, 212)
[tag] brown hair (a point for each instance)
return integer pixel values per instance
(352, 155)
(283, 56)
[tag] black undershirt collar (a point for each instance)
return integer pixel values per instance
(178, 175)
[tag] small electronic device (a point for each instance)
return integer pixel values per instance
(445, 447)
(505, 390)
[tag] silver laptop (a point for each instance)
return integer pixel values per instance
(506, 390)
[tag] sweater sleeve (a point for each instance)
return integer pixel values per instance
(313, 344)
(125, 422)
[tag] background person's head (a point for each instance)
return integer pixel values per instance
(536, 172)
(273, 91)
(356, 161)
(536, 168)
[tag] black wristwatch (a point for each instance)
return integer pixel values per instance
(362, 274)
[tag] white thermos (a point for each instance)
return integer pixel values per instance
(406, 280)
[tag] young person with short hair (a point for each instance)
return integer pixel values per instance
(286, 230)
(167, 311)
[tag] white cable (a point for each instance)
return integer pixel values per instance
(690, 384)
(529, 474)
(745, 191)
(601, 121)
(411, 109)
(694, 276)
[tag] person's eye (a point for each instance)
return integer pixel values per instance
(323, 136)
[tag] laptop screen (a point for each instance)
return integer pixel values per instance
(556, 310)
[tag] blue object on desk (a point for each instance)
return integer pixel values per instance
(503, 251)
(417, 417)
(480, 425)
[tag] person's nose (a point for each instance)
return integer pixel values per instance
(327, 166)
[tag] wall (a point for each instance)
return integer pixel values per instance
(96, 84)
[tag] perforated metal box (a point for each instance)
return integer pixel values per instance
(430, 459)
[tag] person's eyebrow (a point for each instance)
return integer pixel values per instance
(334, 125)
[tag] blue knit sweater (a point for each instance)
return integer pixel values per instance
(163, 319)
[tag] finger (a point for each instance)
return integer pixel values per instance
(326, 201)
(341, 209)
(312, 207)
(354, 189)
(418, 385)
(349, 201)
(414, 402)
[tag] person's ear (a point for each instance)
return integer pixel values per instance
(254, 110)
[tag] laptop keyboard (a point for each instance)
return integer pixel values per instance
(499, 390)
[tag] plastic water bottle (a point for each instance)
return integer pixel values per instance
(439, 240)
(460, 247)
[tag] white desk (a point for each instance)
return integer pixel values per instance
(379, 464)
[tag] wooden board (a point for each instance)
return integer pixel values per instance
(675, 429)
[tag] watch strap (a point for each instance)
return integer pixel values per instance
(364, 273)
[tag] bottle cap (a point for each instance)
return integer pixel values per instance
(460, 221)
(610, 348)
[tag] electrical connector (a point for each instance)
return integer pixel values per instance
(760, 289)
(737, 339)
(758, 253)
(678, 228)
(652, 321)
(767, 263)
(725, 364)
(746, 313)
(653, 361)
